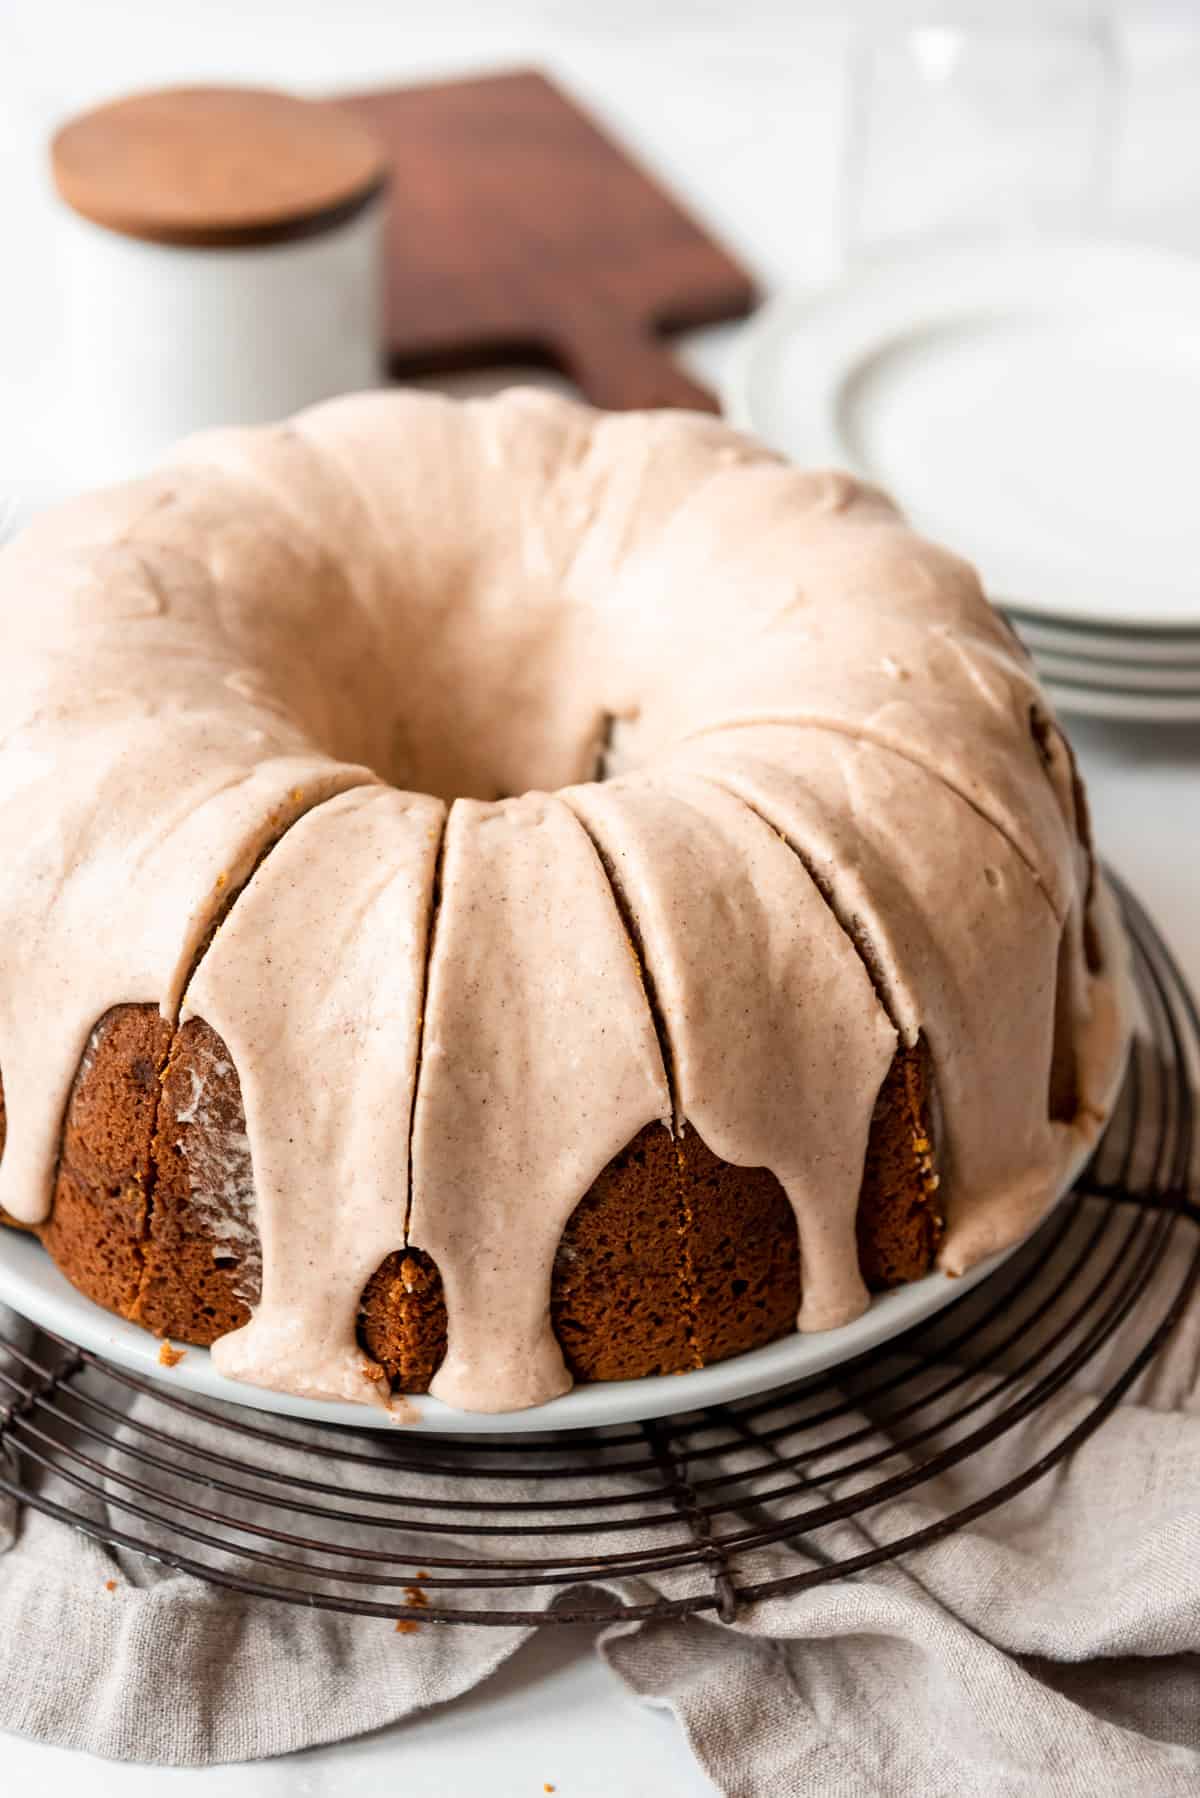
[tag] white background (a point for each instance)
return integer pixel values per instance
(739, 106)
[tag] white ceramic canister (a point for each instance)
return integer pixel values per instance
(222, 263)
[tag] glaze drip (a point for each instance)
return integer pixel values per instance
(539, 1063)
(959, 932)
(778, 1042)
(325, 974)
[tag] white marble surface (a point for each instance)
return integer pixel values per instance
(740, 107)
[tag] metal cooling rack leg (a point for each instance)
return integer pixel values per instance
(679, 1490)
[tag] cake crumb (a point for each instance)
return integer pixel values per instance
(406, 1627)
(169, 1355)
(110, 1585)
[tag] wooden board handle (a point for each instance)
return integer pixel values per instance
(621, 366)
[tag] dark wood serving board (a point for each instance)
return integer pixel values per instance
(519, 232)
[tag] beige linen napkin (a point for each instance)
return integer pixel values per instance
(1052, 1647)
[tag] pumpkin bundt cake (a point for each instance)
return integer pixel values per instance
(494, 894)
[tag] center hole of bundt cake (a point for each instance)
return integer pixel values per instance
(487, 693)
(479, 762)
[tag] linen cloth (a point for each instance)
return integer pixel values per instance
(1052, 1647)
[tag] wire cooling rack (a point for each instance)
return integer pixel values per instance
(702, 1512)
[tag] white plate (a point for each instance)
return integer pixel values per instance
(1118, 677)
(1131, 708)
(32, 1285)
(1035, 405)
(1180, 649)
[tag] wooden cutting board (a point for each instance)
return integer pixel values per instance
(519, 232)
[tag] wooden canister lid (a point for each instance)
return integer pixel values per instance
(212, 166)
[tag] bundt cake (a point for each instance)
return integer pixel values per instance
(494, 894)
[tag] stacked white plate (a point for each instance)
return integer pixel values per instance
(1037, 406)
